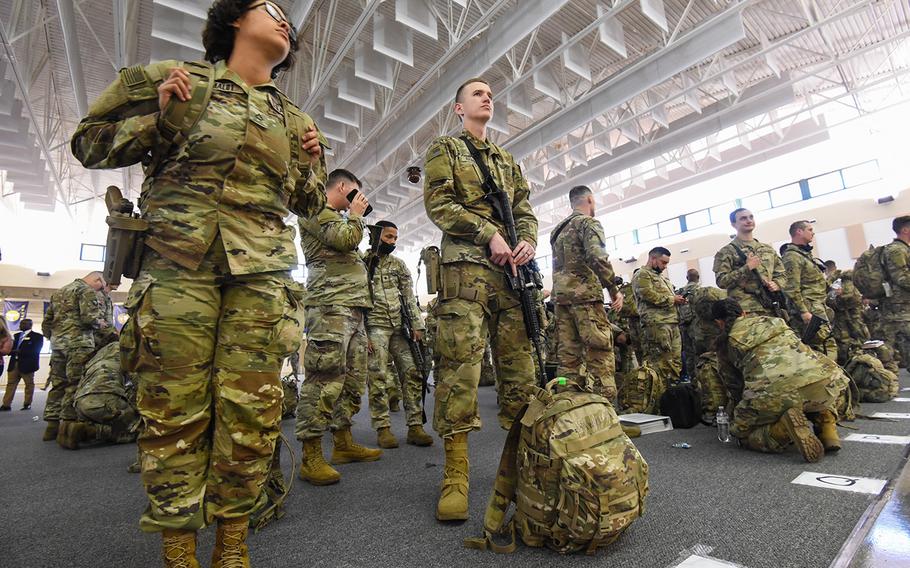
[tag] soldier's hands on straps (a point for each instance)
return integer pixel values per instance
(772, 285)
(753, 261)
(177, 83)
(311, 145)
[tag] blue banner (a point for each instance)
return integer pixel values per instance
(14, 312)
(120, 316)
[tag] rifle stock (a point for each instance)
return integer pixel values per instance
(407, 328)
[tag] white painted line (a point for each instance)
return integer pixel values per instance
(696, 561)
(905, 389)
(900, 399)
(841, 482)
(896, 415)
(878, 439)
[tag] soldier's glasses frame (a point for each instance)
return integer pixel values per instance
(277, 15)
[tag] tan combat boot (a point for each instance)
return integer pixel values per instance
(795, 427)
(50, 432)
(826, 423)
(69, 434)
(179, 547)
(230, 544)
(418, 437)
(385, 438)
(346, 451)
(313, 469)
(453, 496)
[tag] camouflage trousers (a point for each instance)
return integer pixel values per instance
(586, 347)
(390, 344)
(849, 334)
(335, 362)
(66, 369)
(487, 368)
(662, 349)
(897, 332)
(107, 409)
(760, 409)
(55, 378)
(689, 357)
(475, 301)
(710, 383)
(823, 342)
(205, 348)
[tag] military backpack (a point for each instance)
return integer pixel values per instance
(576, 479)
(870, 275)
(682, 403)
(875, 382)
(710, 384)
(640, 391)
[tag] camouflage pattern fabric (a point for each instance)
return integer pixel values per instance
(475, 299)
(660, 341)
(703, 329)
(206, 348)
(72, 316)
(686, 319)
(389, 345)
(896, 308)
(807, 288)
(430, 323)
(336, 273)
(290, 397)
(640, 391)
(586, 347)
(889, 358)
(105, 395)
(56, 378)
(876, 384)
(848, 328)
(732, 274)
(629, 321)
(460, 341)
(487, 368)
(779, 372)
(391, 278)
(210, 184)
(710, 384)
(336, 370)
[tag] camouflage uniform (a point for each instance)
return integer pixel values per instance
(431, 324)
(475, 298)
(778, 372)
(71, 321)
(848, 328)
(391, 282)
(896, 308)
(213, 311)
(686, 318)
(734, 276)
(807, 288)
(703, 329)
(660, 340)
(581, 270)
(487, 368)
(106, 397)
(337, 300)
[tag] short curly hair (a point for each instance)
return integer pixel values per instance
(218, 35)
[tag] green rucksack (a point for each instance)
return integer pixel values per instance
(576, 479)
(641, 391)
(875, 382)
(710, 384)
(870, 274)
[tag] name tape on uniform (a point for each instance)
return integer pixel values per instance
(878, 439)
(696, 561)
(901, 399)
(894, 415)
(841, 482)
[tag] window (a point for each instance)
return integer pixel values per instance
(758, 202)
(648, 233)
(669, 227)
(862, 173)
(92, 253)
(721, 213)
(698, 219)
(786, 195)
(610, 243)
(624, 240)
(827, 183)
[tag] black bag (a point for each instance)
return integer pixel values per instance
(682, 404)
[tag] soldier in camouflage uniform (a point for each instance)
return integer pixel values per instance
(581, 270)
(657, 301)
(337, 303)
(390, 285)
(895, 307)
(72, 320)
(703, 329)
(848, 328)
(736, 263)
(783, 384)
(686, 318)
(213, 310)
(475, 298)
(430, 323)
(807, 287)
(487, 368)
(106, 398)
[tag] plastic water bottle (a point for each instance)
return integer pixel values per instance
(835, 286)
(723, 425)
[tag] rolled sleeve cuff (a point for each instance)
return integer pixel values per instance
(485, 235)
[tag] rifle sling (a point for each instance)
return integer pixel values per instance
(488, 181)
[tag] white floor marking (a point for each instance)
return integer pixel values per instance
(895, 415)
(878, 439)
(851, 483)
(696, 561)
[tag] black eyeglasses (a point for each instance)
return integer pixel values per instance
(277, 15)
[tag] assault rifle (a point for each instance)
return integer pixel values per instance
(529, 280)
(812, 328)
(407, 328)
(776, 302)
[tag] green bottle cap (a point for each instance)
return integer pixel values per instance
(562, 381)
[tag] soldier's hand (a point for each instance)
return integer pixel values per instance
(807, 317)
(310, 144)
(616, 304)
(523, 253)
(500, 253)
(359, 205)
(370, 348)
(772, 285)
(622, 338)
(417, 335)
(753, 261)
(177, 84)
(679, 300)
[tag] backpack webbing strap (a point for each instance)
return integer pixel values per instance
(295, 136)
(277, 488)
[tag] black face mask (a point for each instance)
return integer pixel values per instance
(806, 247)
(385, 248)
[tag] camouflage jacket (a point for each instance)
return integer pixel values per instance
(849, 303)
(896, 257)
(72, 317)
(108, 305)
(232, 174)
(686, 315)
(336, 274)
(391, 281)
(454, 198)
(806, 283)
(103, 374)
(430, 336)
(581, 266)
(629, 312)
(654, 297)
(734, 276)
(772, 359)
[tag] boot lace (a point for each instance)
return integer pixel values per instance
(232, 551)
(175, 552)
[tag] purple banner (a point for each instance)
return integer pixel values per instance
(14, 312)
(120, 316)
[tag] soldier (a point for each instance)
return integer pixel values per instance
(487, 368)
(686, 318)
(657, 301)
(782, 384)
(475, 298)
(581, 271)
(736, 265)
(848, 328)
(213, 310)
(895, 306)
(73, 318)
(807, 286)
(430, 323)
(106, 398)
(109, 332)
(391, 285)
(337, 302)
